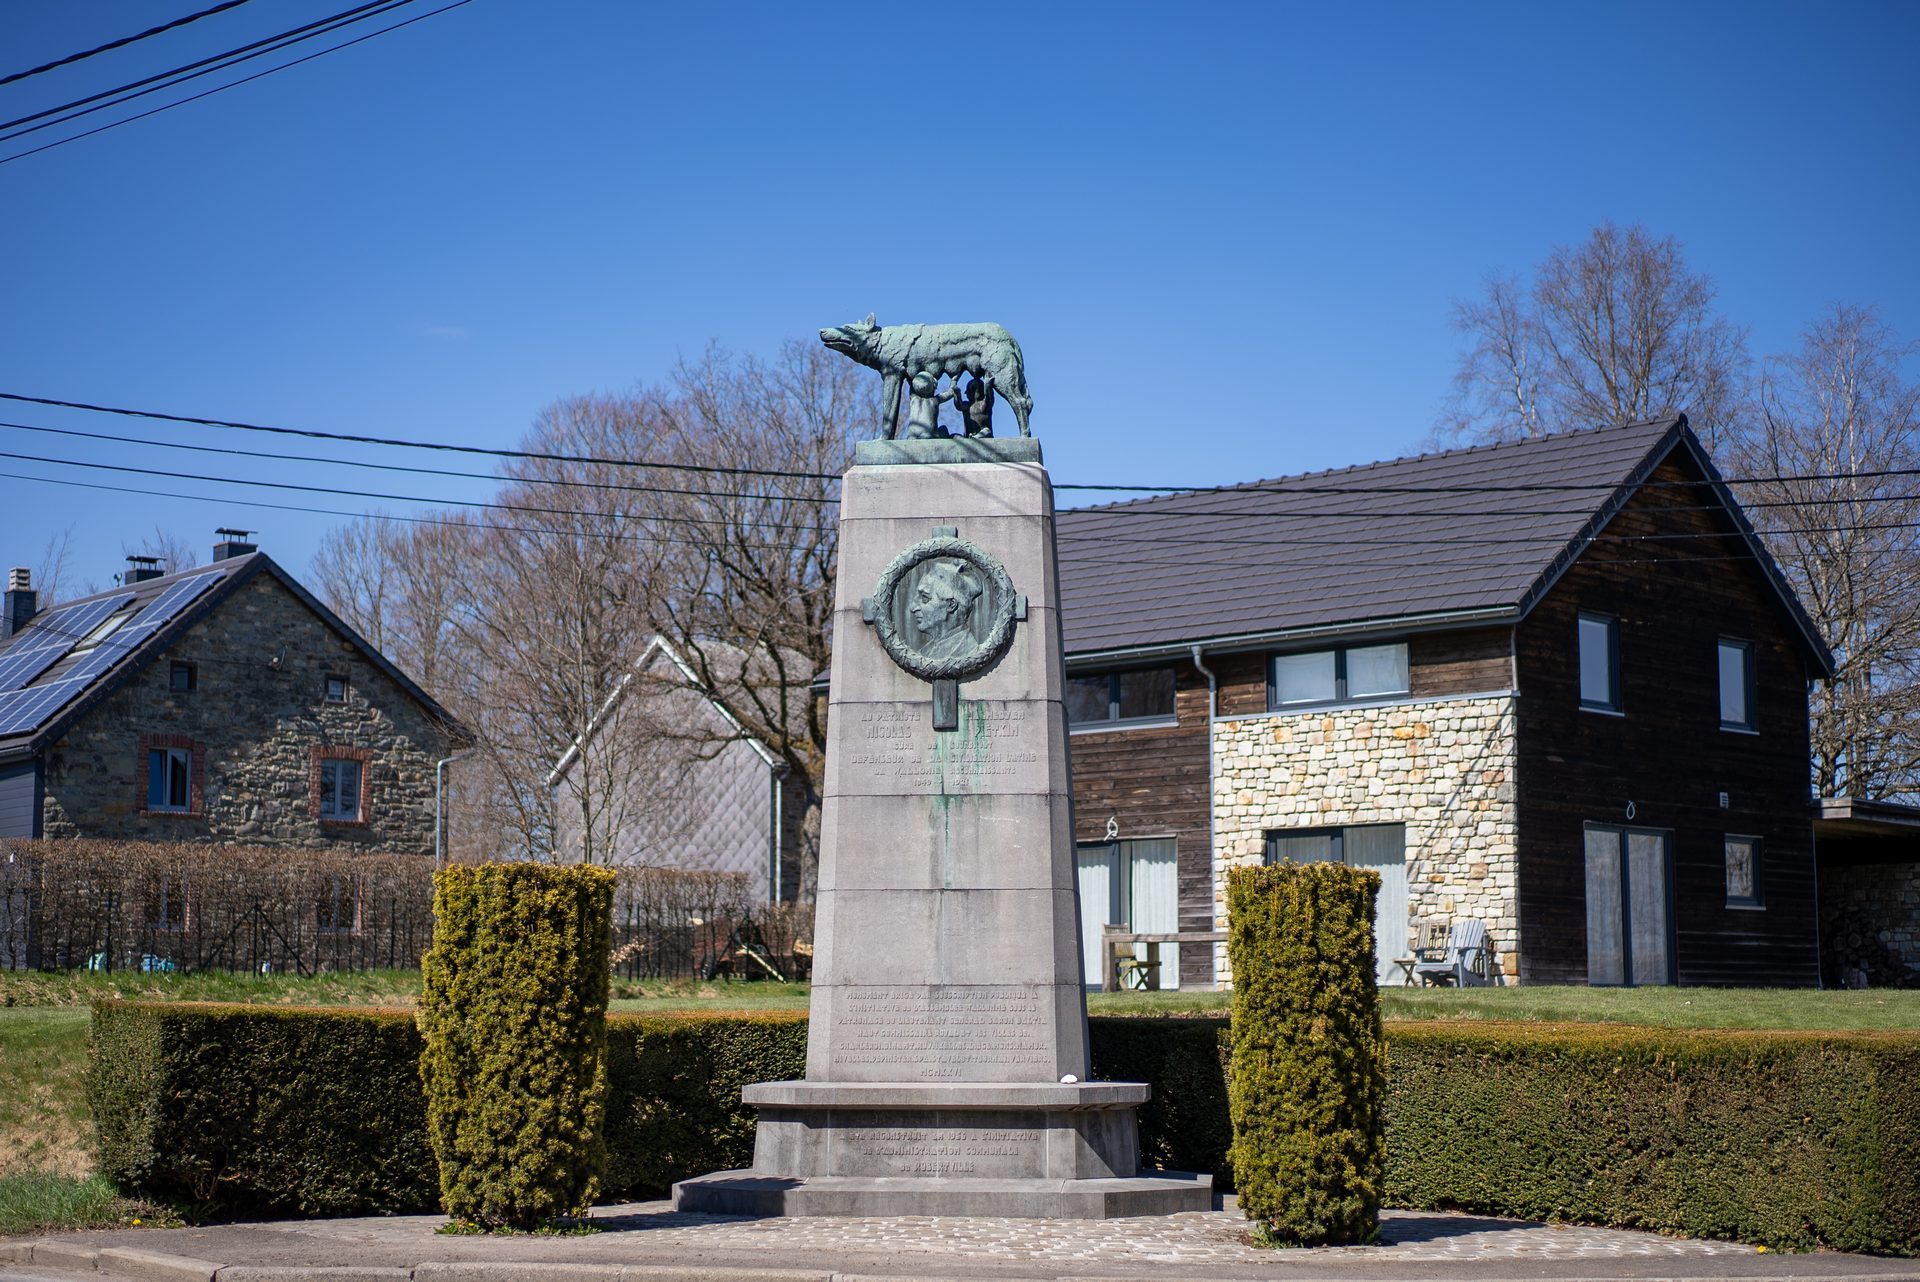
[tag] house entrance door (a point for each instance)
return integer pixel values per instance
(1629, 905)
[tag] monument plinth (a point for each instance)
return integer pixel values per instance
(947, 1048)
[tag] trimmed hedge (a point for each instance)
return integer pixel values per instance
(1795, 1140)
(1307, 1077)
(513, 1014)
(1789, 1139)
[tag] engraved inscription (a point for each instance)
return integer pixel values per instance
(945, 1152)
(983, 753)
(942, 1034)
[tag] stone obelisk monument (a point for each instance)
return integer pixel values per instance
(947, 1049)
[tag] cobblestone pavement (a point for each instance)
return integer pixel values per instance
(1214, 1237)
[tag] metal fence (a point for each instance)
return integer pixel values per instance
(152, 906)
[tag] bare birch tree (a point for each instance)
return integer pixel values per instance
(1613, 330)
(1834, 420)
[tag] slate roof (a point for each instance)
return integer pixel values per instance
(229, 575)
(1351, 549)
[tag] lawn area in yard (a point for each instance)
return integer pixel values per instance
(1833, 1011)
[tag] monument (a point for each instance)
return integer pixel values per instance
(947, 1048)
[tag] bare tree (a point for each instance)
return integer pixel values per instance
(50, 576)
(1835, 419)
(175, 553)
(1613, 330)
(749, 601)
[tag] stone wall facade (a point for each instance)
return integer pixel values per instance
(260, 727)
(1870, 925)
(1444, 768)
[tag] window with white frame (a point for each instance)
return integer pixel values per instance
(1350, 674)
(170, 780)
(340, 790)
(1599, 636)
(1736, 684)
(1743, 872)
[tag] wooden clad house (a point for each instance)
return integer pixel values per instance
(1557, 686)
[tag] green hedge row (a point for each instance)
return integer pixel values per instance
(1791, 1139)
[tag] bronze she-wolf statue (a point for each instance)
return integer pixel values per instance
(900, 352)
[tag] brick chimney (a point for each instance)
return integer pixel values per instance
(22, 602)
(232, 543)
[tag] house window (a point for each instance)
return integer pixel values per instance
(1743, 872)
(1120, 698)
(1736, 685)
(1600, 662)
(1351, 674)
(336, 687)
(182, 677)
(337, 912)
(1134, 885)
(1380, 847)
(170, 780)
(340, 790)
(166, 906)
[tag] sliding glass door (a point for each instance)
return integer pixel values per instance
(1134, 885)
(1629, 905)
(1380, 847)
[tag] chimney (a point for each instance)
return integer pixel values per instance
(140, 569)
(232, 543)
(22, 602)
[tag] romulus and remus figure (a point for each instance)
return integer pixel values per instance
(901, 352)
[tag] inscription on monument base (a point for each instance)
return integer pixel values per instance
(914, 1151)
(945, 1034)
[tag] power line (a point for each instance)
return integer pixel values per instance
(404, 498)
(531, 455)
(208, 93)
(618, 486)
(1272, 487)
(207, 62)
(121, 43)
(627, 487)
(1311, 540)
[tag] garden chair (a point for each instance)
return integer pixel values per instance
(1465, 960)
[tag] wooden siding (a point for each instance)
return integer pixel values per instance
(1153, 783)
(1439, 664)
(20, 799)
(1667, 756)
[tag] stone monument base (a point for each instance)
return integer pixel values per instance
(1054, 1150)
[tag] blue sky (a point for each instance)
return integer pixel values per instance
(1227, 237)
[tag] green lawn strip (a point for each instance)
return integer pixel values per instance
(83, 987)
(45, 1128)
(43, 1203)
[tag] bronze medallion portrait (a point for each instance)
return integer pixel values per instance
(944, 610)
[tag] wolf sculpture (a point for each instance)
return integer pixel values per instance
(899, 352)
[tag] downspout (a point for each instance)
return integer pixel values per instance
(440, 806)
(1213, 713)
(776, 772)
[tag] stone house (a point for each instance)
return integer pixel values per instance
(219, 704)
(1558, 686)
(666, 777)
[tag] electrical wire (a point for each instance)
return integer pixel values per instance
(207, 62)
(121, 43)
(208, 93)
(1125, 506)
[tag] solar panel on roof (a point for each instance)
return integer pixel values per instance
(49, 638)
(25, 710)
(31, 708)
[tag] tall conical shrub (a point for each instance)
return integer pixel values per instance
(1307, 1078)
(513, 1013)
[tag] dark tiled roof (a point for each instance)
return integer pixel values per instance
(1283, 555)
(227, 576)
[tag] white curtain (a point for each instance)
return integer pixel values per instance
(1383, 848)
(1094, 867)
(1153, 884)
